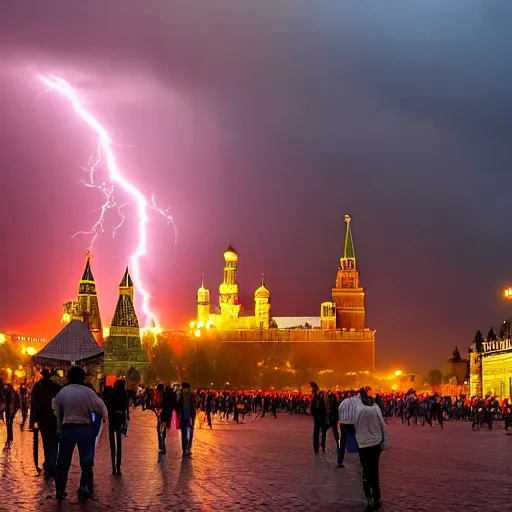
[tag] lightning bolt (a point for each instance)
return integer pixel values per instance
(116, 179)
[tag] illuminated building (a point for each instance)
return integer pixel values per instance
(231, 311)
(27, 345)
(347, 295)
(337, 341)
(86, 308)
(491, 363)
(123, 347)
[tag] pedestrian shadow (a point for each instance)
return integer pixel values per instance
(184, 483)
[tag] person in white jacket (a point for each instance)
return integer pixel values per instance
(372, 437)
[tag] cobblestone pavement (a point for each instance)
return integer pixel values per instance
(269, 465)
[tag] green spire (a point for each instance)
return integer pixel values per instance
(348, 250)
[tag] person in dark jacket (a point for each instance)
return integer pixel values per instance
(333, 418)
(319, 413)
(169, 405)
(12, 404)
(116, 400)
(187, 410)
(43, 417)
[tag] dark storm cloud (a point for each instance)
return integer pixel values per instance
(277, 117)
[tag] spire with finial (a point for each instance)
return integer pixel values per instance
(262, 292)
(126, 285)
(347, 276)
(348, 249)
(87, 276)
(203, 294)
(126, 281)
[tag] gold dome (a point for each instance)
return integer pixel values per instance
(262, 293)
(230, 254)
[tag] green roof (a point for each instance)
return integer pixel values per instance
(348, 250)
(126, 282)
(125, 315)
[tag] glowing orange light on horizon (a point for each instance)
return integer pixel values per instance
(398, 373)
(197, 333)
(3, 338)
(508, 293)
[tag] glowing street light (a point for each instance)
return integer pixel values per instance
(508, 293)
(197, 333)
(398, 373)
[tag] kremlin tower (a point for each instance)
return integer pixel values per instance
(262, 306)
(86, 307)
(348, 295)
(229, 302)
(125, 328)
(123, 348)
(203, 304)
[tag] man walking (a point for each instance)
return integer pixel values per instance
(319, 413)
(187, 408)
(43, 418)
(348, 410)
(75, 405)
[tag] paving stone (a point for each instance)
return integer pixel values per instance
(269, 465)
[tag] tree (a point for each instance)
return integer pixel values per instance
(133, 375)
(435, 377)
(162, 362)
(9, 356)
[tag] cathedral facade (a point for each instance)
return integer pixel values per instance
(231, 315)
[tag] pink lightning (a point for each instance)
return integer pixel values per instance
(55, 83)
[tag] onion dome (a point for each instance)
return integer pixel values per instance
(230, 254)
(262, 292)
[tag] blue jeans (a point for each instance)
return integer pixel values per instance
(187, 434)
(48, 431)
(9, 420)
(70, 437)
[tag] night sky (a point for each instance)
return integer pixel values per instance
(261, 123)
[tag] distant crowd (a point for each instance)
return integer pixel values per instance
(68, 414)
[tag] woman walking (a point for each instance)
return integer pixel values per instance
(372, 437)
(116, 400)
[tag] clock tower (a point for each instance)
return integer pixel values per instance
(348, 295)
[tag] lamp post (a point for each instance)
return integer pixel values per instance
(508, 296)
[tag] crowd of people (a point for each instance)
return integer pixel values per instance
(71, 415)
